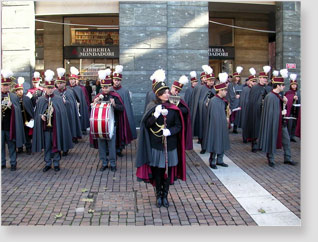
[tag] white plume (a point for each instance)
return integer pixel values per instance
(239, 69)
(108, 71)
(266, 69)
(60, 72)
(193, 74)
(6, 73)
(207, 69)
(152, 77)
(49, 74)
(252, 71)
(20, 80)
(284, 73)
(183, 80)
(275, 73)
(102, 74)
(74, 70)
(293, 76)
(204, 67)
(118, 69)
(223, 77)
(159, 75)
(36, 74)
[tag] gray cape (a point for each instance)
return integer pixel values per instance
(269, 125)
(150, 96)
(72, 112)
(63, 131)
(28, 105)
(188, 95)
(242, 115)
(195, 118)
(254, 112)
(124, 94)
(203, 109)
(19, 125)
(85, 115)
(216, 137)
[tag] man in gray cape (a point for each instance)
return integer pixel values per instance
(255, 104)
(27, 111)
(125, 96)
(70, 105)
(12, 130)
(216, 136)
(80, 98)
(189, 91)
(51, 127)
(250, 82)
(194, 105)
(273, 127)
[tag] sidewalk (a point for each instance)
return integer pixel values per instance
(31, 197)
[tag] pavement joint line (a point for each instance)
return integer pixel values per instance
(266, 201)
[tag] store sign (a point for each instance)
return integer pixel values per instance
(91, 52)
(290, 65)
(219, 52)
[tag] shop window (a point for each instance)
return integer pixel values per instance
(106, 32)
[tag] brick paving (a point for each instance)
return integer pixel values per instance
(82, 195)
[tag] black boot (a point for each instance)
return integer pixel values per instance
(165, 192)
(235, 129)
(157, 178)
(158, 195)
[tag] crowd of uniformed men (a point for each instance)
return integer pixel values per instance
(52, 116)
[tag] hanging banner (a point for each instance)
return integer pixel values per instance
(91, 52)
(221, 52)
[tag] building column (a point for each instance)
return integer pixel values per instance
(168, 35)
(288, 36)
(18, 38)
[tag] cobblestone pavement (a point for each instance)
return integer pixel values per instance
(80, 194)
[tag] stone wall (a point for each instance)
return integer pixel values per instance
(288, 36)
(168, 35)
(18, 40)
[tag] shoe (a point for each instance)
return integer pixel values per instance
(103, 168)
(20, 150)
(29, 152)
(293, 139)
(65, 153)
(3, 166)
(159, 201)
(213, 166)
(75, 141)
(202, 151)
(271, 163)
(46, 168)
(244, 141)
(113, 168)
(290, 162)
(254, 150)
(120, 154)
(56, 168)
(165, 202)
(13, 168)
(223, 164)
(235, 131)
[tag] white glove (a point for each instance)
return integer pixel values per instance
(166, 132)
(284, 112)
(29, 95)
(157, 111)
